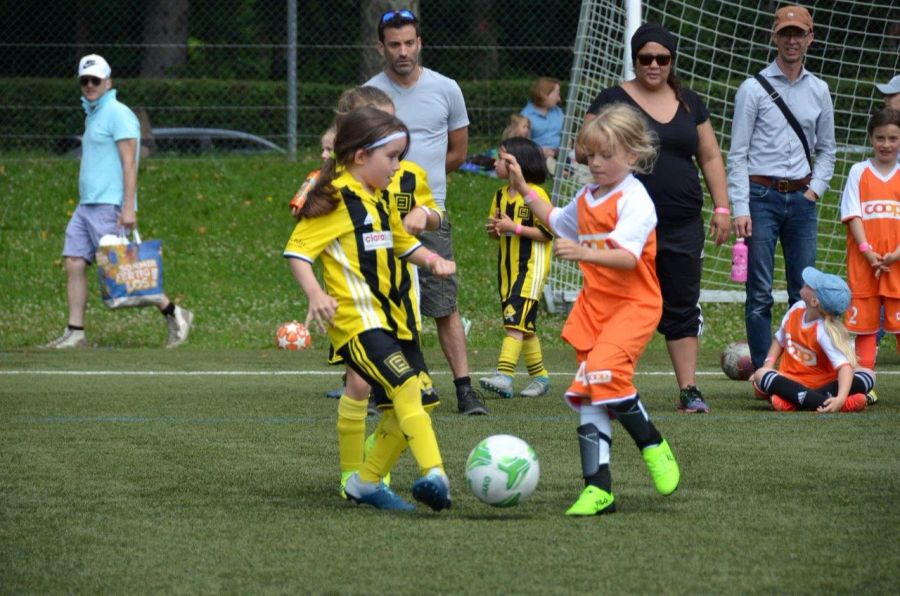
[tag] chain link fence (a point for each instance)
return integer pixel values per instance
(223, 63)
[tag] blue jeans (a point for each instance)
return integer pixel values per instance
(775, 216)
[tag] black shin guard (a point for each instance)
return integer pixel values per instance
(595, 473)
(636, 422)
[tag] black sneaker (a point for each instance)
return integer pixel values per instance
(469, 402)
(691, 401)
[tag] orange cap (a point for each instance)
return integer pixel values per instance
(792, 16)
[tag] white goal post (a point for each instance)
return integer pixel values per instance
(721, 43)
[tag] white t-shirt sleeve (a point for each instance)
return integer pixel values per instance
(835, 356)
(458, 116)
(637, 218)
(850, 206)
(564, 220)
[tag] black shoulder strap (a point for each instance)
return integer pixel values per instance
(774, 96)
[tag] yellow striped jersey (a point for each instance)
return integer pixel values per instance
(522, 264)
(360, 243)
(408, 189)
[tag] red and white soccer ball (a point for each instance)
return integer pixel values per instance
(736, 363)
(293, 336)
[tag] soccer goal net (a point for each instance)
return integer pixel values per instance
(721, 43)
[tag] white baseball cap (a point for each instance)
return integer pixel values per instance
(93, 65)
(891, 87)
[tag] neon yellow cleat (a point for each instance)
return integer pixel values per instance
(663, 467)
(592, 501)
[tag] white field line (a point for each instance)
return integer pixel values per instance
(298, 373)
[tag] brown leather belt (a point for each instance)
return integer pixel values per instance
(782, 184)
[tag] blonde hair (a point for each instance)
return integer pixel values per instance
(364, 96)
(541, 90)
(620, 127)
(840, 337)
(515, 121)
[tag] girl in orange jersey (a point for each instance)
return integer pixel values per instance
(870, 208)
(609, 228)
(818, 369)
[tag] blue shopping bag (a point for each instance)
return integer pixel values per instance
(131, 273)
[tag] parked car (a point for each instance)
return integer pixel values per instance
(190, 141)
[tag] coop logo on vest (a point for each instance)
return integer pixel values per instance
(593, 240)
(801, 354)
(881, 209)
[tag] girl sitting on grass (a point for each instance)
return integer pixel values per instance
(818, 369)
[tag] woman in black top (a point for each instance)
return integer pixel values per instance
(681, 122)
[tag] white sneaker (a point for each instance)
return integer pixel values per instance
(537, 387)
(179, 324)
(71, 338)
(499, 383)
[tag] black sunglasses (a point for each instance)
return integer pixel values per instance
(661, 59)
(89, 80)
(392, 15)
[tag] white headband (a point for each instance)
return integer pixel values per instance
(400, 134)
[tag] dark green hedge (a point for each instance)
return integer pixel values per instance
(38, 112)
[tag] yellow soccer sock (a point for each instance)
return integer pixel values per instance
(415, 424)
(388, 447)
(351, 427)
(534, 357)
(509, 355)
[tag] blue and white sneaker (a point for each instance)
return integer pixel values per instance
(433, 489)
(378, 495)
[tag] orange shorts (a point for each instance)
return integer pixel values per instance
(864, 315)
(605, 373)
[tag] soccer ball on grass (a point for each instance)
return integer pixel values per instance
(293, 336)
(502, 470)
(736, 363)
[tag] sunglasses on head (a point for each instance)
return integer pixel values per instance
(391, 15)
(85, 81)
(661, 59)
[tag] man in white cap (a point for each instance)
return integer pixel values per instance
(107, 189)
(781, 160)
(891, 92)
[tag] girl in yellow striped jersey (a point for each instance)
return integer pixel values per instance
(350, 224)
(523, 262)
(410, 190)
(408, 194)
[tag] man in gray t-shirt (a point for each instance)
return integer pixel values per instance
(432, 107)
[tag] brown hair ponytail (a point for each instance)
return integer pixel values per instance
(361, 128)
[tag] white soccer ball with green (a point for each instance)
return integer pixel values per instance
(502, 470)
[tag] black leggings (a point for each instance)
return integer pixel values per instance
(806, 398)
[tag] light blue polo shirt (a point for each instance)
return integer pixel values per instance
(546, 129)
(100, 178)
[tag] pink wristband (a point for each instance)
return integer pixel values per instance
(723, 210)
(769, 359)
(518, 229)
(532, 195)
(864, 247)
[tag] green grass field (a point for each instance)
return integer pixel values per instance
(126, 468)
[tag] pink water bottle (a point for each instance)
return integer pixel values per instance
(739, 261)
